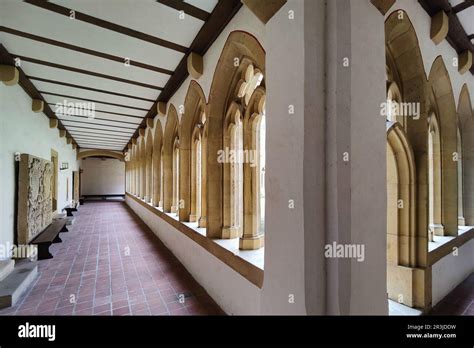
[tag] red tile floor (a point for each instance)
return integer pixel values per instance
(460, 301)
(110, 263)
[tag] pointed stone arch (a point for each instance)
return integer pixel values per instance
(157, 160)
(192, 121)
(239, 46)
(466, 129)
(405, 67)
(401, 211)
(440, 83)
(170, 135)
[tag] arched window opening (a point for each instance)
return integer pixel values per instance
(401, 244)
(175, 197)
(142, 168)
(261, 172)
(392, 207)
(254, 126)
(162, 180)
(196, 178)
(459, 159)
(203, 194)
(435, 227)
(394, 99)
(149, 168)
(237, 196)
(157, 164)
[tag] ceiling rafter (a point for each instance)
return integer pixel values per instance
(81, 141)
(85, 137)
(86, 134)
(63, 116)
(189, 9)
(223, 12)
(463, 5)
(93, 100)
(84, 50)
(105, 136)
(100, 129)
(457, 36)
(85, 72)
(94, 148)
(87, 88)
(87, 143)
(111, 113)
(95, 123)
(107, 25)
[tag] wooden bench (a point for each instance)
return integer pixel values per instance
(70, 209)
(49, 236)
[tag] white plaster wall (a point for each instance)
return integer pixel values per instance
(27, 132)
(284, 281)
(102, 176)
(232, 292)
(422, 23)
(368, 160)
(452, 269)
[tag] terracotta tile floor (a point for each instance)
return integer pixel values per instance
(110, 263)
(460, 301)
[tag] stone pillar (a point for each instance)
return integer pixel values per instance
(356, 164)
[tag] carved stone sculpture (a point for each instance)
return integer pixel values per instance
(34, 197)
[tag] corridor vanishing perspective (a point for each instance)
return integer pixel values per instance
(236, 157)
(110, 263)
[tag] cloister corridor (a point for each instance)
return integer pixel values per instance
(110, 263)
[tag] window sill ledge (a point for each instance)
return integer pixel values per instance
(249, 264)
(443, 245)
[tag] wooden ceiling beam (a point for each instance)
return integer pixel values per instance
(110, 131)
(457, 36)
(97, 124)
(95, 118)
(85, 72)
(189, 9)
(55, 82)
(112, 113)
(83, 140)
(223, 12)
(463, 5)
(84, 50)
(93, 100)
(105, 136)
(79, 16)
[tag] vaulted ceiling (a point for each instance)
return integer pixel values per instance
(123, 55)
